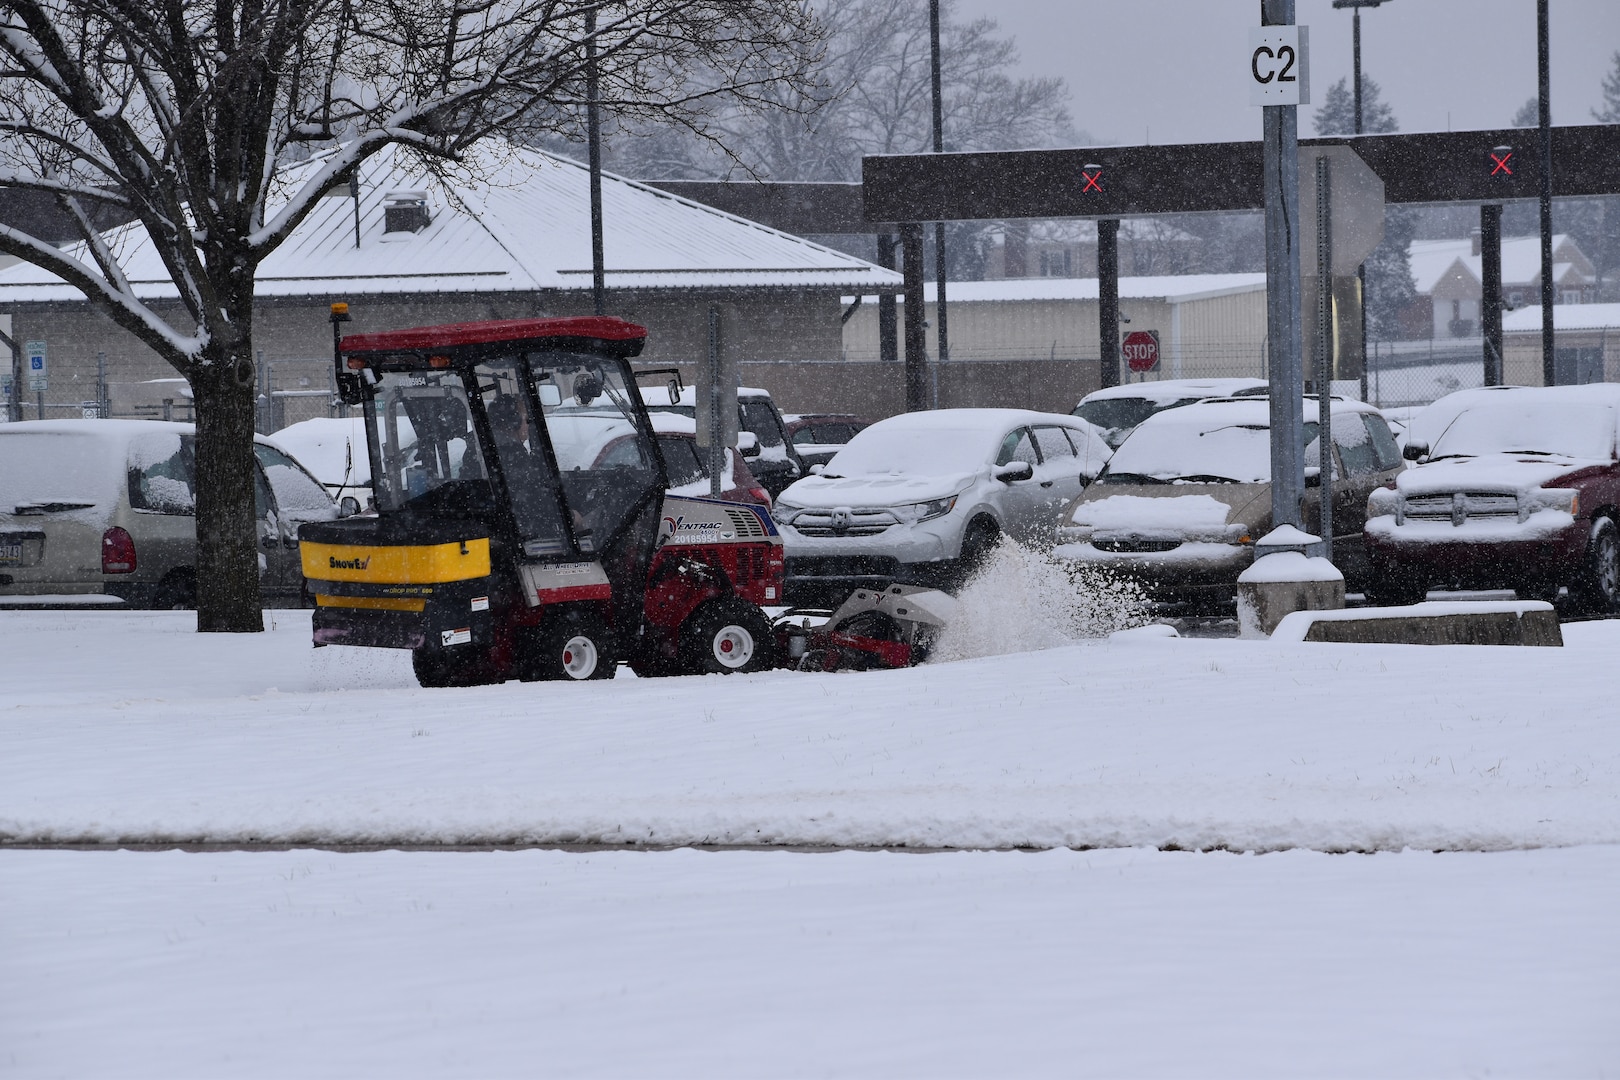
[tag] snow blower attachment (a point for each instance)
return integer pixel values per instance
(889, 628)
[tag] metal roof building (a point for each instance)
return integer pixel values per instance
(504, 235)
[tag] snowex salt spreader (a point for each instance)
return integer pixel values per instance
(520, 526)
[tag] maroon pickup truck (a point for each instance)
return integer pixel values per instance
(1520, 490)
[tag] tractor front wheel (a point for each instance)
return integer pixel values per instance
(726, 636)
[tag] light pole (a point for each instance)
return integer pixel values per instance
(1355, 62)
(939, 226)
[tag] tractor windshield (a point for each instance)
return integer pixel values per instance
(427, 452)
(586, 409)
(557, 427)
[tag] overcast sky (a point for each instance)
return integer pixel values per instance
(1173, 71)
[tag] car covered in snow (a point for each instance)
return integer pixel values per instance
(1520, 489)
(922, 497)
(106, 508)
(1186, 496)
(1118, 409)
(778, 463)
(333, 450)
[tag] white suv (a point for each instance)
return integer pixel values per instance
(922, 497)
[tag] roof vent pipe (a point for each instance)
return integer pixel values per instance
(405, 212)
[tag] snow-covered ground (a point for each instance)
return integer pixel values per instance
(766, 964)
(128, 725)
(1490, 947)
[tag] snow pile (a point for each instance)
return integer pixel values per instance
(1023, 600)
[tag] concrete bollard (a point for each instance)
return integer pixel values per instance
(1285, 577)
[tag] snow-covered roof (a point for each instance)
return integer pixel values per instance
(1172, 288)
(1565, 317)
(1521, 260)
(513, 219)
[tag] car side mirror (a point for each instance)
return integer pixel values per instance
(815, 470)
(348, 506)
(748, 444)
(1013, 471)
(1415, 451)
(1313, 477)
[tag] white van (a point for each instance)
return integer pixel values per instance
(105, 508)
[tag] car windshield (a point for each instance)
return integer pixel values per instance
(1206, 447)
(883, 449)
(430, 460)
(1122, 412)
(1530, 427)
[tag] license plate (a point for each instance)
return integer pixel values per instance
(11, 554)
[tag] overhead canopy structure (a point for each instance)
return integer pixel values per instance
(1490, 166)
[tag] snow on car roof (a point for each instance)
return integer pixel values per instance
(333, 450)
(671, 423)
(1427, 424)
(1167, 390)
(655, 396)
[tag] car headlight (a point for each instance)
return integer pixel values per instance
(925, 511)
(783, 513)
(1566, 499)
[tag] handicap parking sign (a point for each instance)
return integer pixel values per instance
(38, 371)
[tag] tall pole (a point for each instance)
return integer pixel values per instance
(911, 266)
(939, 226)
(1549, 366)
(1490, 304)
(1108, 301)
(1324, 350)
(1361, 268)
(888, 316)
(593, 134)
(1281, 170)
(1355, 52)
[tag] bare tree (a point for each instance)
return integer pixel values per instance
(182, 115)
(870, 95)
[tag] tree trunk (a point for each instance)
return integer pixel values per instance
(227, 537)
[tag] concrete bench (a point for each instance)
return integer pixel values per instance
(1489, 622)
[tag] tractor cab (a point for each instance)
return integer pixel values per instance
(519, 524)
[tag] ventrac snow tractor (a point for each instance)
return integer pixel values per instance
(520, 526)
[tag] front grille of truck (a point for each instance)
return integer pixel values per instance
(1459, 506)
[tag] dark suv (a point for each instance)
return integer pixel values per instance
(1520, 490)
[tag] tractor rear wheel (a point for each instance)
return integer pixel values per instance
(726, 636)
(438, 667)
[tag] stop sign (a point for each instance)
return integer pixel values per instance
(1141, 350)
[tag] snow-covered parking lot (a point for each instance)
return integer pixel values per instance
(1488, 947)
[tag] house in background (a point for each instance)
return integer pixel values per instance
(1449, 281)
(507, 237)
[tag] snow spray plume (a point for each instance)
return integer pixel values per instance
(1022, 600)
